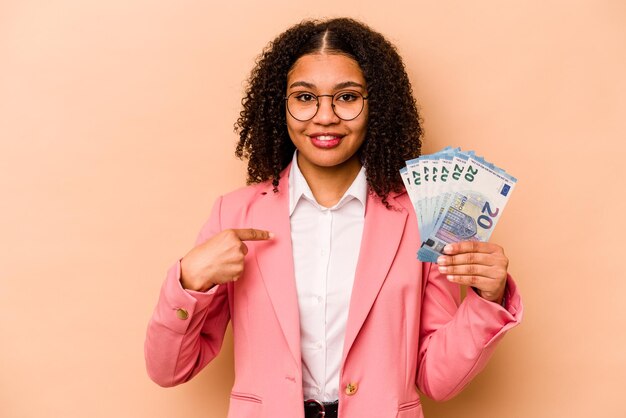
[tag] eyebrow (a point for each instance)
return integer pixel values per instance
(341, 85)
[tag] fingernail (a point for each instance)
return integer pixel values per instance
(447, 248)
(441, 260)
(442, 269)
(270, 235)
(450, 277)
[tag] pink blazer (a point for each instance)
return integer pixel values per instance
(407, 328)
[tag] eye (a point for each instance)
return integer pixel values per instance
(305, 97)
(347, 96)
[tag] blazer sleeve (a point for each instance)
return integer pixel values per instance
(187, 328)
(458, 338)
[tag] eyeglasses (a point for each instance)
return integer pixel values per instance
(347, 104)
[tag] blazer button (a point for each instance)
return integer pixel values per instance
(351, 388)
(182, 314)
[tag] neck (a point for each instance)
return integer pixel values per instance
(329, 184)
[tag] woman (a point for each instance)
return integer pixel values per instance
(315, 262)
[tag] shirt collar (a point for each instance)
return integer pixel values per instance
(299, 188)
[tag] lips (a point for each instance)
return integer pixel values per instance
(326, 140)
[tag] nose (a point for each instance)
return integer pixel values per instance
(325, 113)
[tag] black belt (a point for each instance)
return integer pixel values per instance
(317, 409)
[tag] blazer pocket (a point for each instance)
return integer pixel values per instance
(412, 409)
(245, 405)
(248, 397)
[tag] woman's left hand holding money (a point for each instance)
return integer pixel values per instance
(481, 265)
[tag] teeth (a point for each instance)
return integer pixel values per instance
(326, 137)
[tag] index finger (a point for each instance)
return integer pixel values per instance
(463, 247)
(251, 234)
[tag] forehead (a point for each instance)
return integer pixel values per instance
(325, 70)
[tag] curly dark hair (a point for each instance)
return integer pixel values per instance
(393, 132)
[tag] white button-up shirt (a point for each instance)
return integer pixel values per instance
(326, 243)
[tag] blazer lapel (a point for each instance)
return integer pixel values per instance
(275, 261)
(382, 233)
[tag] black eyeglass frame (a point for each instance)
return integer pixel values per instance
(332, 103)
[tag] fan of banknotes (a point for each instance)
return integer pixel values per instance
(457, 196)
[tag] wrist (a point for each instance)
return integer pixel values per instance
(499, 299)
(188, 282)
(186, 279)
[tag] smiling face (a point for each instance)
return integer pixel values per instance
(327, 142)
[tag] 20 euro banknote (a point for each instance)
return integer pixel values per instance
(460, 197)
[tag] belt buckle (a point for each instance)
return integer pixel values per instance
(320, 406)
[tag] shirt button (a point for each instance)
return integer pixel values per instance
(182, 314)
(319, 345)
(351, 388)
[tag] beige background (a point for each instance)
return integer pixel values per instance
(116, 137)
